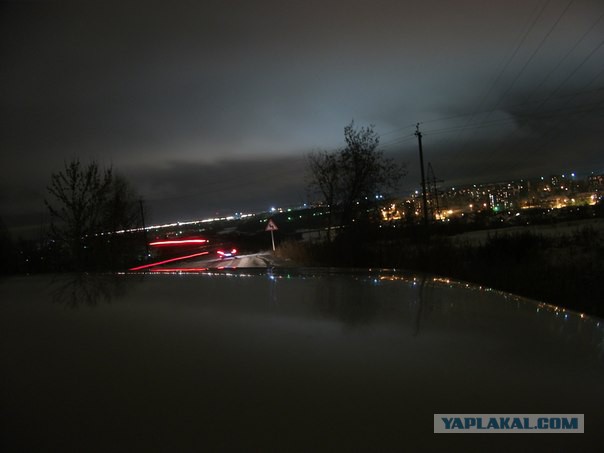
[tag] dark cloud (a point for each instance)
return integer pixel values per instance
(202, 97)
(223, 187)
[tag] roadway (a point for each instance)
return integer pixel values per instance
(254, 260)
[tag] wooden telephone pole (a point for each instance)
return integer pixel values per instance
(421, 163)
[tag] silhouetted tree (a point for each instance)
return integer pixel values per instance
(122, 210)
(86, 200)
(323, 167)
(354, 175)
(365, 170)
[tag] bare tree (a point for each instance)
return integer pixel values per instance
(86, 200)
(77, 196)
(121, 209)
(354, 175)
(323, 167)
(366, 172)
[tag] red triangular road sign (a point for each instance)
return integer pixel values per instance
(271, 226)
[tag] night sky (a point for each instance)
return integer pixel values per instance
(211, 107)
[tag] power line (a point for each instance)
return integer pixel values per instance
(532, 56)
(508, 107)
(557, 129)
(568, 53)
(503, 121)
(553, 70)
(585, 60)
(537, 49)
(511, 58)
(399, 140)
(398, 129)
(502, 71)
(585, 109)
(468, 125)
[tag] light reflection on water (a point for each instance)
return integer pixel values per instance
(308, 359)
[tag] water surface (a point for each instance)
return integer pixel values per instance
(310, 360)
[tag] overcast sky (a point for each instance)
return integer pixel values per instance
(211, 107)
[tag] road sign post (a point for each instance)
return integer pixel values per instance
(272, 227)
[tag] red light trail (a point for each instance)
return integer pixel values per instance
(181, 269)
(178, 242)
(146, 266)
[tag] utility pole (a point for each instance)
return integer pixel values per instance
(421, 163)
